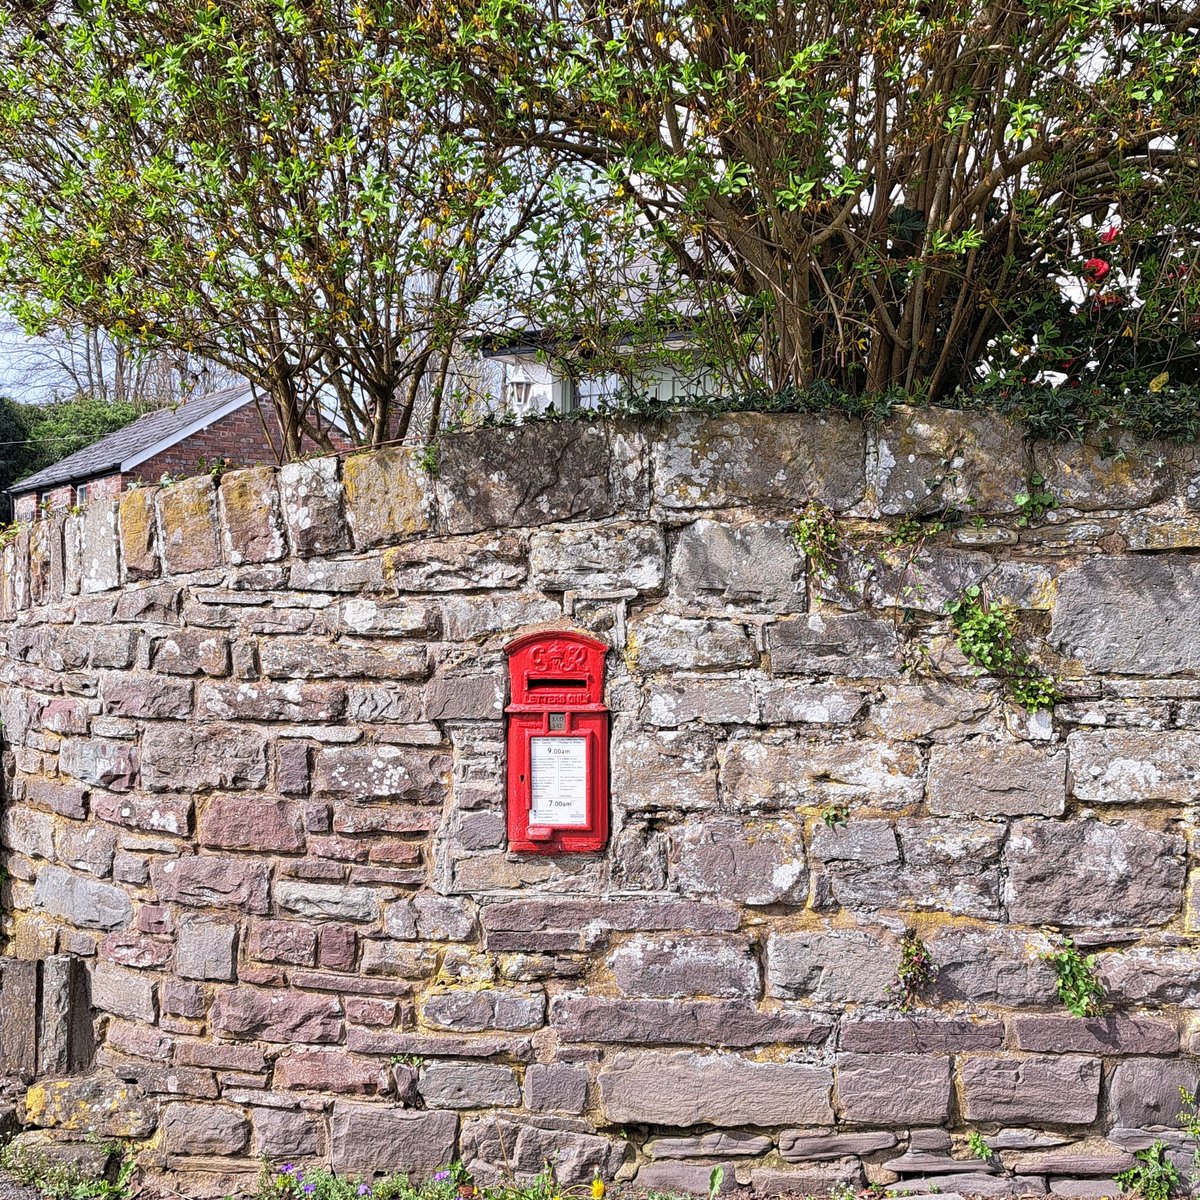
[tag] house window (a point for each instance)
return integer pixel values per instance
(81, 493)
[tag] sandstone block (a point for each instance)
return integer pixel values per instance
(311, 498)
(469, 1085)
(740, 861)
(283, 1135)
(388, 496)
(683, 1089)
(191, 652)
(186, 515)
(1058, 1091)
(204, 1129)
(816, 1145)
(145, 696)
(893, 1089)
(1085, 872)
(688, 1178)
(251, 823)
(754, 565)
(100, 762)
(920, 1035)
(607, 558)
(870, 841)
(721, 1144)
(262, 701)
(380, 772)
(277, 1016)
(210, 881)
(1144, 1092)
(755, 458)
(501, 1146)
(98, 1102)
(329, 1071)
(251, 520)
(733, 1023)
(986, 779)
(1114, 1034)
(666, 968)
(555, 1087)
(1130, 615)
(995, 966)
(371, 1139)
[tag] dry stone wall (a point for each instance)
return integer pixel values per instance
(254, 776)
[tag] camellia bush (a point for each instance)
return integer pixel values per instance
(879, 195)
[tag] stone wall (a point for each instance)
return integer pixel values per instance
(254, 754)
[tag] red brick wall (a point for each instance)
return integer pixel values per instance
(238, 438)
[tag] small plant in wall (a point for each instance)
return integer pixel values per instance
(1076, 979)
(1034, 502)
(977, 1144)
(1189, 1122)
(1154, 1176)
(985, 638)
(834, 815)
(915, 975)
(816, 534)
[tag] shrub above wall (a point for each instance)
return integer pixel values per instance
(254, 762)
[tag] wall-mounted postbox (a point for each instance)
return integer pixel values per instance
(557, 744)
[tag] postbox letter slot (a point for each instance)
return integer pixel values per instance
(547, 684)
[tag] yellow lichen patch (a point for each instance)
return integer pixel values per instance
(387, 495)
(137, 523)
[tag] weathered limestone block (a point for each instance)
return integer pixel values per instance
(98, 1103)
(792, 702)
(743, 861)
(555, 1087)
(1085, 872)
(100, 762)
(1084, 477)
(456, 564)
(993, 966)
(831, 965)
(923, 579)
(209, 881)
(124, 993)
(1131, 615)
(289, 658)
(1127, 766)
(668, 769)
(259, 700)
(666, 968)
(665, 642)
(188, 520)
(488, 1008)
(925, 460)
(467, 617)
(1144, 1092)
(744, 564)
(331, 901)
(870, 841)
(388, 496)
(681, 701)
(28, 832)
(311, 497)
(139, 534)
(1152, 975)
(373, 1139)
(851, 645)
(204, 1128)
(89, 848)
(469, 1085)
(893, 1089)
(277, 1015)
(99, 559)
(81, 901)
(251, 520)
(124, 695)
(464, 696)
(18, 1018)
(755, 458)
(206, 949)
(1056, 1091)
(736, 1024)
(780, 772)
(598, 560)
(202, 759)
(65, 1035)
(988, 779)
(161, 813)
(682, 1089)
(377, 618)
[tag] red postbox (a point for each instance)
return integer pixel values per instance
(557, 744)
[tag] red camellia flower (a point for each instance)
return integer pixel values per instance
(1109, 235)
(1096, 269)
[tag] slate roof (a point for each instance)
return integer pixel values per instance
(163, 427)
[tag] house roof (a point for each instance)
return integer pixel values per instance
(139, 440)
